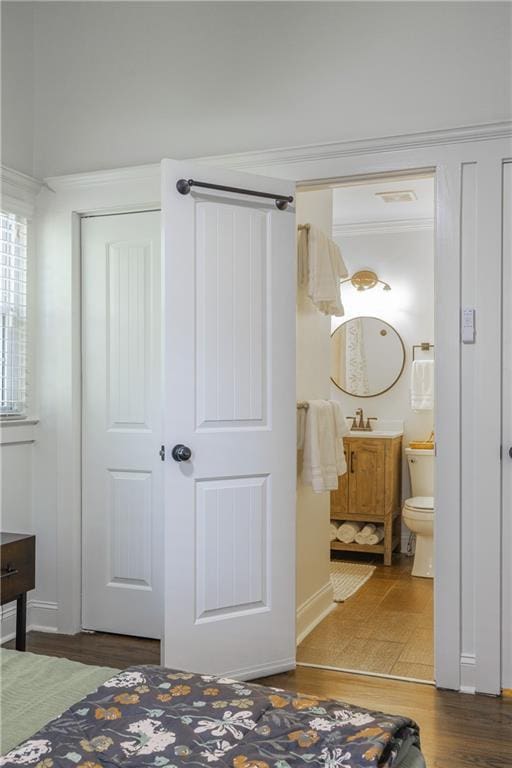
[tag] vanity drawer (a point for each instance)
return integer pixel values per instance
(17, 566)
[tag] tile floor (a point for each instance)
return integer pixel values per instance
(386, 627)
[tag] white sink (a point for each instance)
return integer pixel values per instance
(376, 433)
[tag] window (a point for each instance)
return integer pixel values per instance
(13, 314)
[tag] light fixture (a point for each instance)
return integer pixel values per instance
(366, 279)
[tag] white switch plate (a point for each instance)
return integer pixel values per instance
(468, 325)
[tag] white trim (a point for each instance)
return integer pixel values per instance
(17, 431)
(92, 179)
(314, 610)
(380, 227)
(263, 670)
(41, 617)
(18, 191)
(467, 673)
(369, 146)
(255, 159)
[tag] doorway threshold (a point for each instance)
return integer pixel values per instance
(365, 673)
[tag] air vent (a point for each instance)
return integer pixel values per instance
(398, 196)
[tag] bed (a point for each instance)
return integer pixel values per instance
(153, 716)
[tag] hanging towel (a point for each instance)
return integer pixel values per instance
(422, 385)
(348, 531)
(341, 428)
(321, 456)
(333, 530)
(320, 269)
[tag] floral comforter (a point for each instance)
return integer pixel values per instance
(152, 716)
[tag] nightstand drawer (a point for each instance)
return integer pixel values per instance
(17, 567)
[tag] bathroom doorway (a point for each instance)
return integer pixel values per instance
(373, 584)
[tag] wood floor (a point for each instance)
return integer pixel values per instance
(457, 730)
(386, 627)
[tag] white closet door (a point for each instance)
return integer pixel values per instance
(122, 425)
(507, 428)
(230, 277)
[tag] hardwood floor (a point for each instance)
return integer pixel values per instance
(386, 627)
(457, 730)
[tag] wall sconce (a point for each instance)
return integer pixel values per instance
(366, 279)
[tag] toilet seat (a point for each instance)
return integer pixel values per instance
(421, 504)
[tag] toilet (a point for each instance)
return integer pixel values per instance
(418, 511)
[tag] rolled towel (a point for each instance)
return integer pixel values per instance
(366, 531)
(348, 531)
(376, 538)
(334, 530)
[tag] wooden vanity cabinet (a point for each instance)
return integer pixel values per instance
(370, 491)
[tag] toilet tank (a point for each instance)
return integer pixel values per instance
(421, 471)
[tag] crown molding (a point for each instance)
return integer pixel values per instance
(18, 191)
(381, 227)
(339, 149)
(150, 172)
(288, 155)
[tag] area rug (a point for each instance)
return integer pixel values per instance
(348, 578)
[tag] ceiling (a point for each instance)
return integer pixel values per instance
(361, 204)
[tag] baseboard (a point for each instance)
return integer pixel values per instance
(262, 670)
(313, 610)
(467, 673)
(41, 617)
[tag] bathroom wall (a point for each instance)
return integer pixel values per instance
(405, 260)
(314, 591)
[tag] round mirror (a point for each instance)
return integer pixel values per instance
(367, 356)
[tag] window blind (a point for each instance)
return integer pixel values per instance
(13, 315)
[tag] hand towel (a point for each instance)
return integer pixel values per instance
(341, 428)
(321, 269)
(366, 530)
(422, 385)
(320, 462)
(348, 531)
(333, 530)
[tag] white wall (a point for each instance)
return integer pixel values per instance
(405, 260)
(125, 83)
(314, 591)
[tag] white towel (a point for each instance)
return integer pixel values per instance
(422, 385)
(333, 530)
(370, 534)
(341, 427)
(321, 268)
(321, 458)
(348, 531)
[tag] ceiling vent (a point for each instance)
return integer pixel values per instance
(398, 196)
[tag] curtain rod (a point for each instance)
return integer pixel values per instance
(185, 185)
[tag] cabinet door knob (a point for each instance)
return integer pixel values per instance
(510, 451)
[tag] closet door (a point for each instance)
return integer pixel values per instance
(229, 399)
(122, 525)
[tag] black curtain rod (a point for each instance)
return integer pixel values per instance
(185, 185)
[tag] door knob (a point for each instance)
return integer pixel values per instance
(510, 452)
(181, 452)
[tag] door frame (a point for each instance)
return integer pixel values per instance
(449, 154)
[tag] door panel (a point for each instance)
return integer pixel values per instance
(122, 429)
(366, 484)
(230, 277)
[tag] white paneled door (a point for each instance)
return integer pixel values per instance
(122, 509)
(229, 398)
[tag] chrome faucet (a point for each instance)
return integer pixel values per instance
(358, 423)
